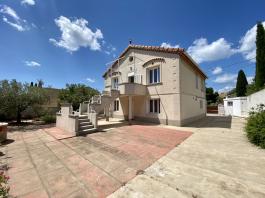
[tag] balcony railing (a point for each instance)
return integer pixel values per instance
(132, 89)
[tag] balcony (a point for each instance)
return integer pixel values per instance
(132, 89)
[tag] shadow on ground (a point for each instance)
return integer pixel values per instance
(212, 122)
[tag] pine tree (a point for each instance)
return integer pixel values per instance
(241, 84)
(260, 56)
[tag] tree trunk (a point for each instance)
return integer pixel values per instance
(18, 117)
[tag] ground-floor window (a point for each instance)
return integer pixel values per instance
(116, 105)
(201, 104)
(154, 105)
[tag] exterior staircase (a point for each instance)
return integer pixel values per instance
(97, 104)
(84, 125)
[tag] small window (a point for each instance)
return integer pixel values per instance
(201, 104)
(197, 81)
(154, 75)
(131, 79)
(230, 103)
(154, 106)
(202, 85)
(131, 58)
(115, 83)
(116, 105)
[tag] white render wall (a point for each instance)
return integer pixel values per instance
(257, 98)
(243, 105)
(239, 107)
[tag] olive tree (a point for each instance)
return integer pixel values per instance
(15, 97)
(76, 94)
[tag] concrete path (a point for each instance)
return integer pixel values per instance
(216, 161)
(48, 163)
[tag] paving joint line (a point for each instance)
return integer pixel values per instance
(64, 165)
(35, 167)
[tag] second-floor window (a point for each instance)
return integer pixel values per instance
(154, 75)
(115, 83)
(197, 81)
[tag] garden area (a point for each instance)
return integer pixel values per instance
(29, 103)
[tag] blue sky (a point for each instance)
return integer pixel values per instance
(71, 41)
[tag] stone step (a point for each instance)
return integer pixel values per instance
(83, 120)
(86, 131)
(82, 116)
(85, 123)
(86, 127)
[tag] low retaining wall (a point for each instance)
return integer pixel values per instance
(66, 121)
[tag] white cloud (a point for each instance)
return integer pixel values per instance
(90, 80)
(76, 34)
(217, 70)
(226, 89)
(11, 18)
(226, 78)
(202, 51)
(32, 64)
(28, 2)
(250, 79)
(168, 45)
(248, 44)
(110, 49)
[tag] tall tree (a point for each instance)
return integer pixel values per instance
(211, 96)
(241, 84)
(16, 97)
(260, 56)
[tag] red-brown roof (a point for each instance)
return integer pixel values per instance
(179, 51)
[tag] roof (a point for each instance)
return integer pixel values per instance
(179, 51)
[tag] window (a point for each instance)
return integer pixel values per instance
(131, 79)
(202, 85)
(154, 75)
(115, 83)
(197, 81)
(230, 103)
(201, 104)
(116, 105)
(154, 105)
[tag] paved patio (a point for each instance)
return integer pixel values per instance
(48, 163)
(216, 161)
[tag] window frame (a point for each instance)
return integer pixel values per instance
(197, 81)
(154, 75)
(115, 85)
(154, 106)
(116, 105)
(201, 104)
(230, 103)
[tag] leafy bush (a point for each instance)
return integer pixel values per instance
(255, 127)
(4, 188)
(48, 119)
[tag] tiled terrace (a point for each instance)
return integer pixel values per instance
(47, 163)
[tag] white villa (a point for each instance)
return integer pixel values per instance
(156, 84)
(151, 84)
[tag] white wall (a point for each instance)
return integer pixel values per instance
(242, 105)
(257, 98)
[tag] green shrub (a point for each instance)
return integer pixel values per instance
(48, 119)
(4, 188)
(255, 126)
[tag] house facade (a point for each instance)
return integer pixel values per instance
(156, 84)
